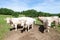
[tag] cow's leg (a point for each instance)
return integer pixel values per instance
(15, 27)
(48, 28)
(32, 26)
(56, 24)
(44, 30)
(28, 28)
(44, 27)
(23, 26)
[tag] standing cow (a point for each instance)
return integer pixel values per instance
(14, 22)
(23, 21)
(48, 20)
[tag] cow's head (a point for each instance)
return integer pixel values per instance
(8, 20)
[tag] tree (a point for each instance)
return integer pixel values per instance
(30, 13)
(58, 14)
(15, 14)
(6, 11)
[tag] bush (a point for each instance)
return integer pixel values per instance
(15, 14)
(6, 11)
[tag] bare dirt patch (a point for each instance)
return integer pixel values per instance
(34, 34)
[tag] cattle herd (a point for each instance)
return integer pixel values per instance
(26, 22)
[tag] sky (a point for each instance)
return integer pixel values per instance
(50, 6)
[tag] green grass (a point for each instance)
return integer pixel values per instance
(4, 27)
(58, 28)
(37, 21)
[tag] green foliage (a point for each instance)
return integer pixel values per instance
(53, 24)
(34, 13)
(38, 21)
(21, 15)
(58, 14)
(6, 11)
(16, 14)
(4, 27)
(29, 13)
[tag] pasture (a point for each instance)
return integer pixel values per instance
(4, 30)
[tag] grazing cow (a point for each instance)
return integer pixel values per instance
(48, 20)
(28, 21)
(13, 22)
(23, 21)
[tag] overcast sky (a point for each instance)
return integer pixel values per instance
(51, 6)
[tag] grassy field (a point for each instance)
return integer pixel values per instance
(4, 27)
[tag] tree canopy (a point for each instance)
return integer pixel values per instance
(29, 13)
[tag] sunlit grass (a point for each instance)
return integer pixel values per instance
(3, 26)
(38, 21)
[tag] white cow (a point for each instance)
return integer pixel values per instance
(13, 22)
(24, 21)
(48, 20)
(28, 21)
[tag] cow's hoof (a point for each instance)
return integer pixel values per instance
(28, 30)
(15, 29)
(48, 31)
(54, 27)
